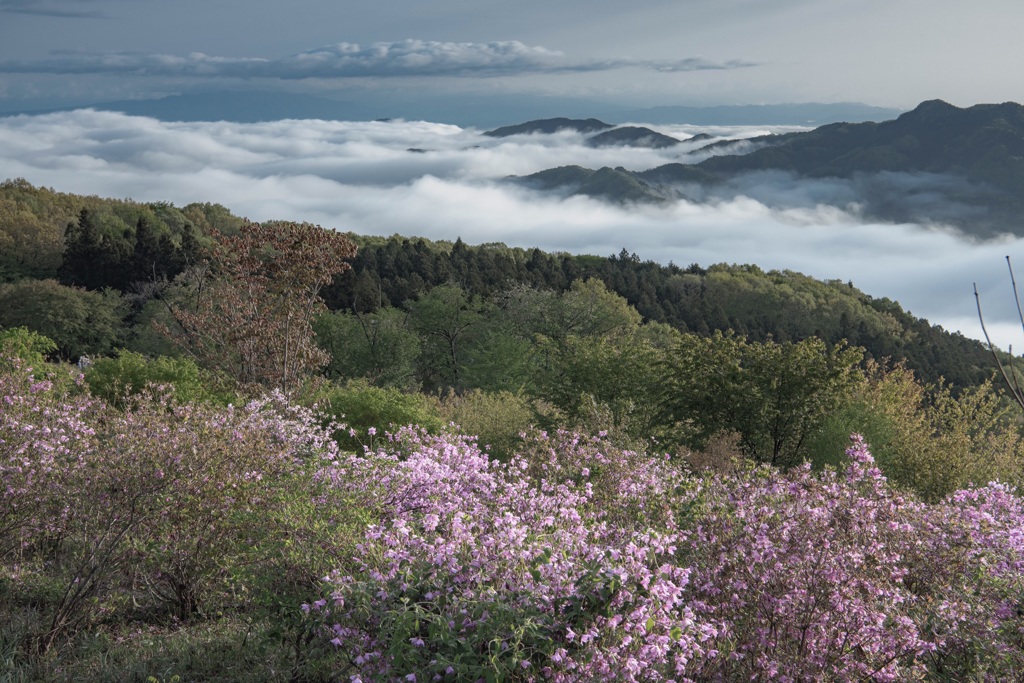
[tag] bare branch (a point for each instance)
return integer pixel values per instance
(1020, 316)
(1017, 396)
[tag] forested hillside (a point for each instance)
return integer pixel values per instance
(111, 252)
(429, 332)
(758, 304)
(289, 453)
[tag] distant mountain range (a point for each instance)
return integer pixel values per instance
(804, 114)
(550, 127)
(937, 164)
(607, 135)
(479, 110)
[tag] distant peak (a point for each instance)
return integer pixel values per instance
(550, 126)
(929, 110)
(938, 111)
(935, 105)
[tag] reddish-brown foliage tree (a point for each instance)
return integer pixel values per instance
(250, 306)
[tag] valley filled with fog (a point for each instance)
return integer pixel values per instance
(442, 182)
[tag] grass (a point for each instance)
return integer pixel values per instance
(227, 650)
(125, 644)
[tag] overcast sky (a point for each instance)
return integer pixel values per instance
(892, 53)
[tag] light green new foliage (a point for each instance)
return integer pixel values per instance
(115, 379)
(943, 442)
(496, 418)
(926, 438)
(367, 411)
(610, 375)
(25, 344)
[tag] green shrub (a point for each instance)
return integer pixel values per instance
(115, 379)
(368, 411)
(497, 419)
(23, 343)
(77, 320)
(926, 438)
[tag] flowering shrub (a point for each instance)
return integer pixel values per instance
(837, 576)
(477, 571)
(969, 576)
(230, 473)
(173, 497)
(45, 442)
(572, 561)
(68, 500)
(484, 571)
(804, 573)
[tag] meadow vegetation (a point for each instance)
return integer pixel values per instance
(159, 538)
(239, 481)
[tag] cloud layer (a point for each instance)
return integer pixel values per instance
(50, 9)
(365, 177)
(350, 60)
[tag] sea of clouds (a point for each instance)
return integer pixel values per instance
(441, 181)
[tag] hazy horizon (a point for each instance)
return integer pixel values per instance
(59, 53)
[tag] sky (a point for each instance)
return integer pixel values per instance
(892, 53)
(360, 176)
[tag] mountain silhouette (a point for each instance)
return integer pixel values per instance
(549, 126)
(936, 164)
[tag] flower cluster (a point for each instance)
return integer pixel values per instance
(170, 493)
(476, 569)
(483, 571)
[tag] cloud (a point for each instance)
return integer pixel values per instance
(350, 60)
(922, 198)
(360, 176)
(49, 9)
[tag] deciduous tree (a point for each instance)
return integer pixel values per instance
(773, 394)
(379, 346)
(248, 310)
(79, 321)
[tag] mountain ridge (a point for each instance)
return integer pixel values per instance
(935, 164)
(475, 111)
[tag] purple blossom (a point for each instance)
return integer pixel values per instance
(761, 575)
